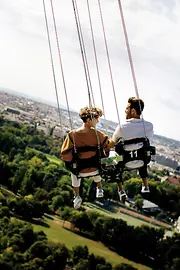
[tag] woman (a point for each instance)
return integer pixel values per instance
(89, 144)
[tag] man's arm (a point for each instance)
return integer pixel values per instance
(150, 132)
(116, 134)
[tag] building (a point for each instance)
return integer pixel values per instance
(173, 180)
(150, 207)
(13, 111)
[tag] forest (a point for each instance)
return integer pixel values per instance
(34, 181)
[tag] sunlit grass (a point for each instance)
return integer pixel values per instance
(51, 158)
(132, 221)
(54, 159)
(57, 233)
(7, 193)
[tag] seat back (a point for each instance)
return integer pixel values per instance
(135, 153)
(78, 164)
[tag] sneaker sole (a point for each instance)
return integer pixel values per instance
(100, 196)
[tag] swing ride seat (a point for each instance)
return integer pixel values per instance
(111, 168)
(134, 153)
(130, 154)
(78, 164)
(106, 166)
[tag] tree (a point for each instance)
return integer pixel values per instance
(79, 253)
(57, 202)
(28, 236)
(176, 264)
(82, 265)
(39, 250)
(4, 211)
(124, 266)
(60, 256)
(138, 202)
(41, 195)
(82, 222)
(19, 175)
(66, 213)
(5, 266)
(106, 266)
(16, 240)
(29, 181)
(132, 186)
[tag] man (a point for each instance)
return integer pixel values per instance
(134, 127)
(81, 139)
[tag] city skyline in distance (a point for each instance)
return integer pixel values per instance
(53, 104)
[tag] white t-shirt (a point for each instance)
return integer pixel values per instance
(131, 129)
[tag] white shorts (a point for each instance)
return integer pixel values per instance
(77, 181)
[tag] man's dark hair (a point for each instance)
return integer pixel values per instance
(137, 104)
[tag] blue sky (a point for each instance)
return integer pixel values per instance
(153, 27)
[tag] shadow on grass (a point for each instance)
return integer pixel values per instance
(40, 222)
(83, 234)
(105, 206)
(36, 221)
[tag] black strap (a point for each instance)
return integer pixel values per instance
(143, 140)
(86, 148)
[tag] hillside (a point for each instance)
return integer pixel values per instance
(45, 115)
(30, 168)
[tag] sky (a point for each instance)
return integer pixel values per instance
(153, 28)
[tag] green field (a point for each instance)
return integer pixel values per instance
(54, 159)
(51, 158)
(7, 193)
(57, 233)
(132, 221)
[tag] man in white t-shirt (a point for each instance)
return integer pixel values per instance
(134, 127)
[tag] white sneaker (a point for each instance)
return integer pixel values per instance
(77, 202)
(145, 189)
(122, 195)
(99, 193)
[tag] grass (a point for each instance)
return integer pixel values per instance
(7, 193)
(57, 233)
(129, 219)
(54, 159)
(51, 158)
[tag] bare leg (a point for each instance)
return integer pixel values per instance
(120, 186)
(121, 192)
(76, 184)
(99, 184)
(76, 191)
(145, 181)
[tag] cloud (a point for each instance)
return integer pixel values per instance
(153, 30)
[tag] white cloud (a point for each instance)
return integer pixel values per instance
(153, 29)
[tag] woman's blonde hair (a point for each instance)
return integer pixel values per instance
(87, 112)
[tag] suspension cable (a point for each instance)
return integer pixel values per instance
(96, 60)
(61, 64)
(109, 62)
(128, 49)
(52, 62)
(63, 77)
(130, 59)
(83, 52)
(85, 55)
